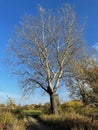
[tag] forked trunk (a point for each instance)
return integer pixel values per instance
(53, 104)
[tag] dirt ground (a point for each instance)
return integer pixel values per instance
(35, 124)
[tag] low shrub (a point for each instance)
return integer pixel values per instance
(72, 106)
(18, 112)
(88, 110)
(46, 108)
(76, 106)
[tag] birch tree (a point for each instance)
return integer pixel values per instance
(41, 47)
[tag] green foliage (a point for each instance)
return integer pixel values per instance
(18, 112)
(92, 77)
(46, 108)
(88, 110)
(37, 107)
(78, 107)
(71, 106)
(29, 107)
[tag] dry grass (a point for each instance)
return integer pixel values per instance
(69, 122)
(9, 122)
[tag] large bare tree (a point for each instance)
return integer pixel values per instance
(41, 47)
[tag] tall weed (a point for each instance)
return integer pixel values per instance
(9, 122)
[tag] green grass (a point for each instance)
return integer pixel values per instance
(33, 113)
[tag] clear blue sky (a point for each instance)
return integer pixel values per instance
(10, 13)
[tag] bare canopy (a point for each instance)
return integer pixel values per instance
(41, 47)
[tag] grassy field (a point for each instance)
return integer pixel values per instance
(33, 113)
(72, 116)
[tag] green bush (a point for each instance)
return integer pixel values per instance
(46, 108)
(18, 112)
(72, 106)
(77, 106)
